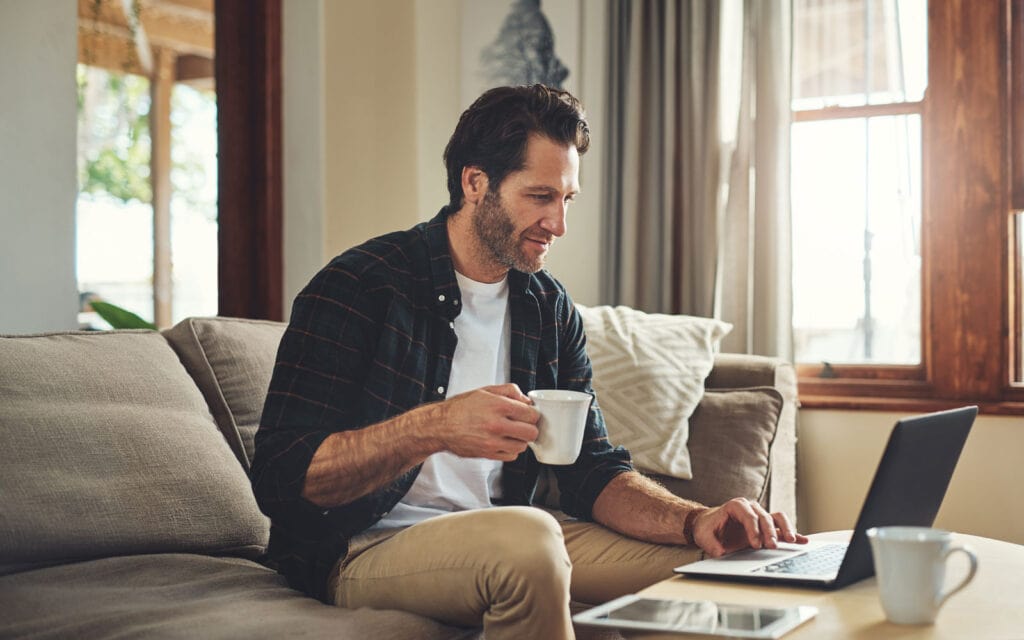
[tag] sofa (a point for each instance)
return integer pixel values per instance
(126, 509)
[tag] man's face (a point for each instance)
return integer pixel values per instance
(517, 224)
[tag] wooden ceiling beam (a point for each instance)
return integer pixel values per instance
(191, 67)
(110, 50)
(177, 25)
(182, 34)
(198, 8)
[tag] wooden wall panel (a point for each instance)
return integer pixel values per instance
(248, 78)
(1016, 106)
(965, 228)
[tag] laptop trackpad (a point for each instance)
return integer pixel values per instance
(747, 560)
(759, 555)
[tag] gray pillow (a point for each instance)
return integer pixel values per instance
(731, 434)
(107, 448)
(231, 361)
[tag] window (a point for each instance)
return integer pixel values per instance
(115, 219)
(906, 252)
(147, 156)
(860, 73)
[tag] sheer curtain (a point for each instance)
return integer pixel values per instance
(697, 165)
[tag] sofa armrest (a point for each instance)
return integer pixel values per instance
(737, 371)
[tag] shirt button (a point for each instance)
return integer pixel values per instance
(455, 302)
(324, 512)
(440, 298)
(440, 391)
(451, 324)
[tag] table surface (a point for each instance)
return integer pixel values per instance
(991, 606)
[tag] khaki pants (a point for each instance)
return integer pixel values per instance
(512, 569)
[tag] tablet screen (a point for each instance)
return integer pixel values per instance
(712, 618)
(695, 616)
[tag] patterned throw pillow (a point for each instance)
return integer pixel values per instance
(649, 372)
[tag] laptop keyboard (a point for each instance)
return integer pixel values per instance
(821, 561)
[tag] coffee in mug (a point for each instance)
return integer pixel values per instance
(563, 417)
(910, 563)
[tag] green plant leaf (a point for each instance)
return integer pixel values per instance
(120, 318)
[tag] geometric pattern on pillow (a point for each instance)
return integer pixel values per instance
(649, 372)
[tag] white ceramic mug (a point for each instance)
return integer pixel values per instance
(910, 563)
(563, 416)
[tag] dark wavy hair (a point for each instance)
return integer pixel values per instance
(493, 132)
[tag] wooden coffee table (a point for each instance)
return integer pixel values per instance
(991, 606)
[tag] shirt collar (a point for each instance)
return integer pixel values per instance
(442, 273)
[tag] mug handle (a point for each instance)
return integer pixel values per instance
(942, 597)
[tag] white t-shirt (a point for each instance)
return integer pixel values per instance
(448, 483)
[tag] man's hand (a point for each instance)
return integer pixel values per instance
(742, 523)
(495, 422)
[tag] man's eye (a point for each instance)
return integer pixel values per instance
(541, 197)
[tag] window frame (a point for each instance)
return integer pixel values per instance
(972, 185)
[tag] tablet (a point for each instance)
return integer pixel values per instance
(698, 616)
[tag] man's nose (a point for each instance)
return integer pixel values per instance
(554, 222)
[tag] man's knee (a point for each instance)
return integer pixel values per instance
(526, 533)
(527, 547)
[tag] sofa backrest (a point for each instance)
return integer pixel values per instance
(108, 448)
(231, 361)
(732, 432)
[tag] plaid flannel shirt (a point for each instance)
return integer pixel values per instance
(370, 337)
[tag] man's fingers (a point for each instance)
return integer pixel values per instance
(520, 412)
(505, 456)
(769, 538)
(513, 404)
(785, 528)
(749, 516)
(520, 432)
(715, 549)
(742, 523)
(509, 390)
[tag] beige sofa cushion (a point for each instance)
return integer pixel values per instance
(188, 597)
(649, 371)
(731, 434)
(107, 448)
(231, 360)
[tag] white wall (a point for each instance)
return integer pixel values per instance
(370, 134)
(391, 90)
(437, 54)
(38, 127)
(838, 451)
(576, 257)
(303, 108)
(303, 121)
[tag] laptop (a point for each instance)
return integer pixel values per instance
(907, 490)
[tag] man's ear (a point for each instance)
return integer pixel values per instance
(474, 184)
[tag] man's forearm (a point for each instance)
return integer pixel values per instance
(641, 508)
(351, 464)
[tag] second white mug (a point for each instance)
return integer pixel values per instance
(910, 565)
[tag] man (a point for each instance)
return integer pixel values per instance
(392, 454)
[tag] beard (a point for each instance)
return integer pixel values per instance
(498, 240)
